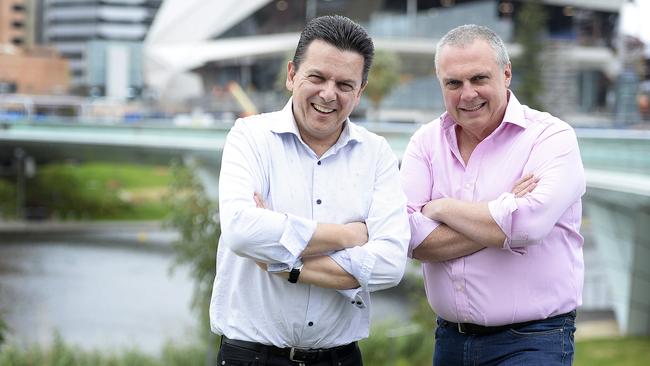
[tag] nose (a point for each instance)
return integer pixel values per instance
(468, 92)
(328, 91)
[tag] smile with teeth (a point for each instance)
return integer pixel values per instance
(472, 109)
(322, 109)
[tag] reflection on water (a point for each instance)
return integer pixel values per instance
(104, 291)
(98, 297)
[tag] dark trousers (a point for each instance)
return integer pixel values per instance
(546, 342)
(238, 356)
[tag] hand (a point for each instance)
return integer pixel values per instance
(357, 233)
(525, 185)
(259, 201)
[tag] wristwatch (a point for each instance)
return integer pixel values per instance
(295, 273)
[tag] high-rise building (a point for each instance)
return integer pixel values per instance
(83, 29)
(250, 43)
(12, 22)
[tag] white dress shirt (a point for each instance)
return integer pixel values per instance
(357, 179)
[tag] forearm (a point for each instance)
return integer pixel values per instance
(323, 271)
(471, 219)
(443, 244)
(332, 237)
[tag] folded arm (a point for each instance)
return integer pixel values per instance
(262, 234)
(443, 228)
(380, 262)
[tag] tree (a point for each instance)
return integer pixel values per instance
(530, 25)
(383, 77)
(3, 330)
(195, 217)
(280, 84)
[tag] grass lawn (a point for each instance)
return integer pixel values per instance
(628, 351)
(101, 191)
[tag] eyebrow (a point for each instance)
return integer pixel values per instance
(345, 81)
(473, 76)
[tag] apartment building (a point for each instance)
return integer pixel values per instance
(101, 39)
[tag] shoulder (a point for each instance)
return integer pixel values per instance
(259, 123)
(546, 123)
(370, 144)
(428, 135)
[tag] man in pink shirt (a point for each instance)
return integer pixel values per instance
(494, 197)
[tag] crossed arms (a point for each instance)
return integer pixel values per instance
(367, 255)
(447, 241)
(445, 228)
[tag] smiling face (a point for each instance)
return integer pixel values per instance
(474, 87)
(326, 88)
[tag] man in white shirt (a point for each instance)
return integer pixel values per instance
(313, 218)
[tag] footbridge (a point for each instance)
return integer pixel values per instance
(617, 203)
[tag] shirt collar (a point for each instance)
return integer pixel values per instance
(514, 114)
(287, 124)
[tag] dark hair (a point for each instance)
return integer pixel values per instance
(340, 32)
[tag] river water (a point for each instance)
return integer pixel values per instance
(108, 289)
(95, 296)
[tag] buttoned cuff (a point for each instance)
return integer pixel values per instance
(282, 267)
(297, 233)
(421, 227)
(357, 297)
(501, 210)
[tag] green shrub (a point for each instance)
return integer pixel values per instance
(61, 354)
(7, 199)
(195, 217)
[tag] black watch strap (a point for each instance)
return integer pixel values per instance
(294, 274)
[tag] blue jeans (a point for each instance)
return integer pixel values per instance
(547, 342)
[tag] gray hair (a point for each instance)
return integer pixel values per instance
(466, 34)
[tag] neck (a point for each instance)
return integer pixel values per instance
(319, 145)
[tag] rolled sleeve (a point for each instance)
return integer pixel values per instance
(359, 263)
(296, 235)
(421, 227)
(502, 210)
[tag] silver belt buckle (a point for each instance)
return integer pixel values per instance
(460, 328)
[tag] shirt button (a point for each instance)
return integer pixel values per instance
(318, 201)
(318, 162)
(468, 185)
(310, 323)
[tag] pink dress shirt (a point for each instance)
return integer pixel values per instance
(539, 271)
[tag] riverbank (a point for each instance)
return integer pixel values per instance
(100, 247)
(152, 234)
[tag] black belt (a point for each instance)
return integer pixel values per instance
(475, 329)
(293, 353)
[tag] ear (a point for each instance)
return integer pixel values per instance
(291, 74)
(507, 71)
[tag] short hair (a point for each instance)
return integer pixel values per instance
(340, 32)
(467, 34)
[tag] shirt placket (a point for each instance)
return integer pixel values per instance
(467, 193)
(319, 201)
